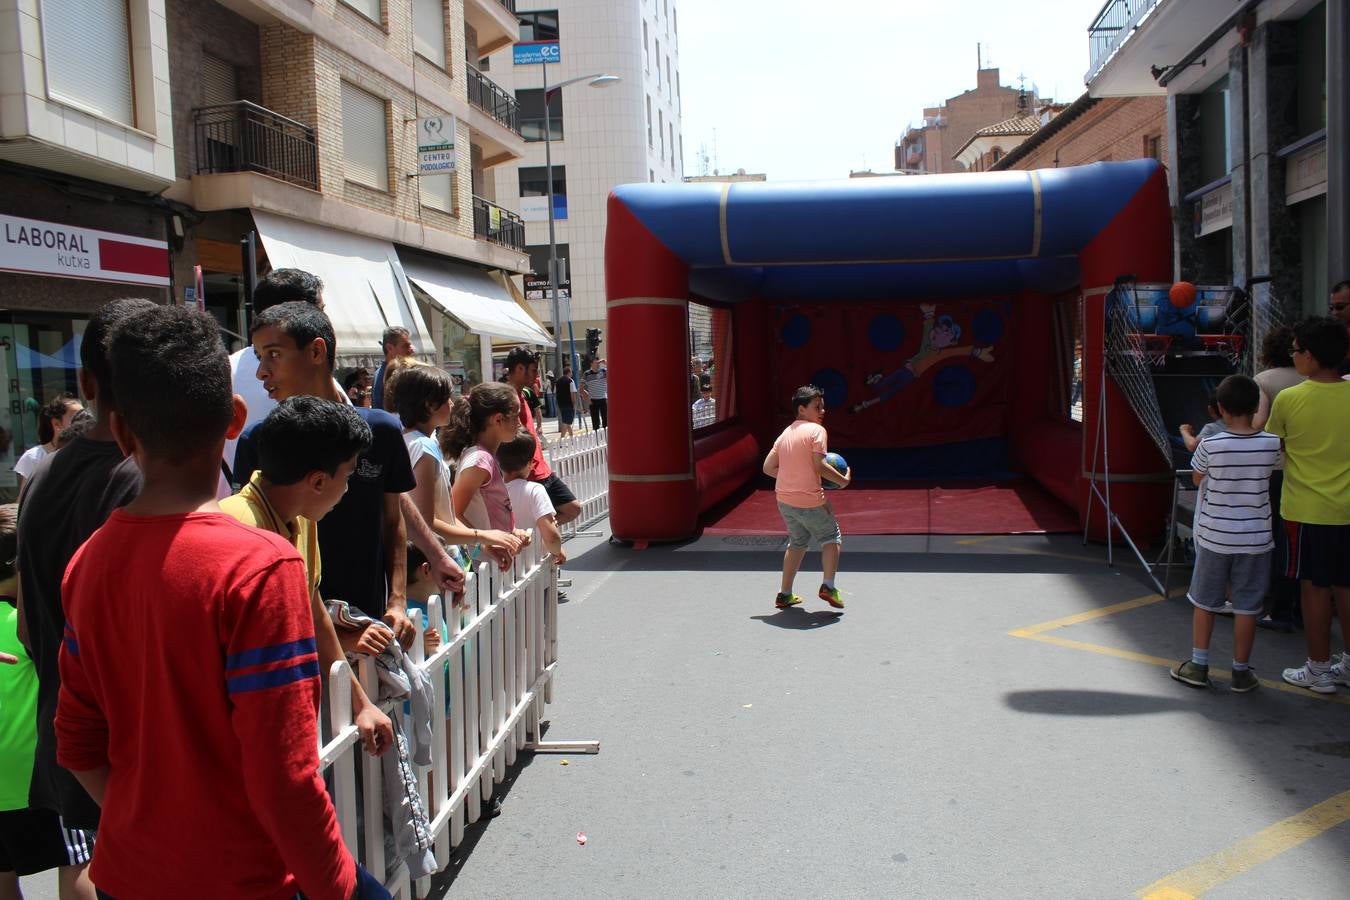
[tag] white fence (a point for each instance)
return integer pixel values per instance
(582, 462)
(500, 655)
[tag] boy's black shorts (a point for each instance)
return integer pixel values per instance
(1319, 553)
(559, 494)
(33, 840)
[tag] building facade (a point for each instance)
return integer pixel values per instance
(932, 148)
(1250, 97)
(1094, 130)
(628, 131)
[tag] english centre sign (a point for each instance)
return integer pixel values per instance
(533, 53)
(436, 145)
(35, 247)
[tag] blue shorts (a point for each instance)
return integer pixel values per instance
(567, 414)
(803, 525)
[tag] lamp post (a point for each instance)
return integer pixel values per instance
(598, 81)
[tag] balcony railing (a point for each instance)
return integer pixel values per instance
(245, 137)
(509, 4)
(501, 226)
(491, 99)
(1115, 22)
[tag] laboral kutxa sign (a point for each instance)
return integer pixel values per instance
(35, 247)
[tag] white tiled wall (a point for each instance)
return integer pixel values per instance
(606, 128)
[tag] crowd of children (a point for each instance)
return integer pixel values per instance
(151, 582)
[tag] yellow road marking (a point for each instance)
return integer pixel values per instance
(1250, 852)
(1089, 615)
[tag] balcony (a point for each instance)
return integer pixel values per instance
(495, 21)
(500, 226)
(1116, 21)
(1129, 39)
(245, 137)
(491, 99)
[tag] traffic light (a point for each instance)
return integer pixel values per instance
(592, 343)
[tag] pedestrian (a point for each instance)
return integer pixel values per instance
(595, 391)
(359, 385)
(1339, 307)
(478, 423)
(55, 415)
(31, 840)
(307, 449)
(396, 342)
(797, 462)
(564, 391)
(1313, 419)
(224, 655)
(1278, 373)
(422, 397)
(530, 503)
(70, 494)
(363, 539)
(522, 370)
(1233, 539)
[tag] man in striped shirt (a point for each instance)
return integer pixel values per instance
(1233, 540)
(595, 390)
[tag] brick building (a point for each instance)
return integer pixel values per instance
(931, 147)
(1093, 130)
(992, 143)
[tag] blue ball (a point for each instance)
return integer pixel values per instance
(796, 331)
(886, 332)
(839, 463)
(954, 386)
(834, 384)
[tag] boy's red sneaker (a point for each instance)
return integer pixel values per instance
(831, 596)
(783, 601)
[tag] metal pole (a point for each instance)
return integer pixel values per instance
(552, 237)
(1338, 154)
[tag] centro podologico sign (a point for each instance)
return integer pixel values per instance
(35, 247)
(436, 145)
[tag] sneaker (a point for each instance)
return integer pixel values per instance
(1280, 625)
(1244, 680)
(1227, 609)
(831, 596)
(1190, 673)
(1304, 677)
(1340, 672)
(783, 601)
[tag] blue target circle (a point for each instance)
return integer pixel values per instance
(988, 327)
(954, 386)
(796, 331)
(886, 332)
(834, 384)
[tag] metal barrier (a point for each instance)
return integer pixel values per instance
(582, 462)
(500, 653)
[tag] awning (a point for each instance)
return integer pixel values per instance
(364, 288)
(475, 298)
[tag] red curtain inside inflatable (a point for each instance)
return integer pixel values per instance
(900, 374)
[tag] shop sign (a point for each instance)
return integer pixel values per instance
(532, 53)
(36, 247)
(535, 209)
(536, 288)
(1214, 211)
(436, 145)
(1305, 174)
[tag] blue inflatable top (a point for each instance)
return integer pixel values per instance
(883, 238)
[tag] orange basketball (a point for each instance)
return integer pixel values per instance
(1182, 294)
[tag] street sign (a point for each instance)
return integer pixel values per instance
(436, 145)
(533, 53)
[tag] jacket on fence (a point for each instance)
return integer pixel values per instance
(408, 834)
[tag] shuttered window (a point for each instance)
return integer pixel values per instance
(368, 8)
(429, 30)
(87, 44)
(437, 192)
(219, 84)
(363, 138)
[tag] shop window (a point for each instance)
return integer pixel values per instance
(712, 385)
(40, 355)
(531, 102)
(1312, 71)
(1216, 158)
(365, 157)
(87, 47)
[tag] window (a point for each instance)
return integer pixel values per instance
(539, 26)
(429, 30)
(649, 122)
(646, 46)
(1216, 159)
(531, 102)
(88, 55)
(679, 100)
(365, 157)
(658, 64)
(437, 192)
(534, 193)
(671, 126)
(220, 84)
(651, 175)
(1153, 147)
(661, 131)
(368, 8)
(670, 82)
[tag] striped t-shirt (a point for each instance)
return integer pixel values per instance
(1234, 511)
(596, 384)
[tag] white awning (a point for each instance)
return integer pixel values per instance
(364, 288)
(475, 298)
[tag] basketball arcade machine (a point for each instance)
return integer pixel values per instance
(1033, 240)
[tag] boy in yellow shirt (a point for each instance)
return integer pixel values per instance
(1313, 419)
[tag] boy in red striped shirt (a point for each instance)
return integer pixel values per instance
(189, 677)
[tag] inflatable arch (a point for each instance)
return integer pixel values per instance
(760, 251)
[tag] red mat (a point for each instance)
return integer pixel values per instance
(1008, 507)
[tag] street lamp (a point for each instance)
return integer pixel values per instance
(596, 81)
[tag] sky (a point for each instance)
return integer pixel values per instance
(805, 89)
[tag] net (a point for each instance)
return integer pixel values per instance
(1131, 358)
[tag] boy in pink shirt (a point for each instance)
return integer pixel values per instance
(797, 461)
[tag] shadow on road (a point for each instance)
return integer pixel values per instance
(1093, 703)
(794, 619)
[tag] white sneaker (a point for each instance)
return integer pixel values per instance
(1304, 677)
(1340, 672)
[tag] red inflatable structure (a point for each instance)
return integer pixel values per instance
(943, 315)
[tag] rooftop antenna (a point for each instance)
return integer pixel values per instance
(979, 57)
